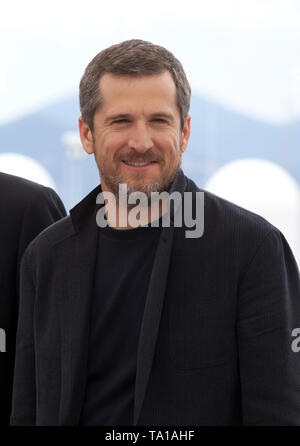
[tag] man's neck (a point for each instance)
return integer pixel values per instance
(132, 216)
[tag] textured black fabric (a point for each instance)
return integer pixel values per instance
(216, 335)
(26, 208)
(122, 274)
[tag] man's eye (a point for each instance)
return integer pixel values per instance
(120, 121)
(159, 120)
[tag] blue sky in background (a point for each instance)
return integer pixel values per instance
(244, 54)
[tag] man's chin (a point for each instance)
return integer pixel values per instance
(144, 187)
(158, 183)
(141, 182)
(138, 182)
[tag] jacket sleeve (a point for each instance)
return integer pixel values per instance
(268, 312)
(24, 387)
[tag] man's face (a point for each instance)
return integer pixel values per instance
(138, 122)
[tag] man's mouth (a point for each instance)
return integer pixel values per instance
(139, 164)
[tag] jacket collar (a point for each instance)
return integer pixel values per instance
(85, 209)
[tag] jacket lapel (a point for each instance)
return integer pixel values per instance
(151, 318)
(154, 304)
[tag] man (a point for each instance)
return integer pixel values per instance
(138, 324)
(26, 208)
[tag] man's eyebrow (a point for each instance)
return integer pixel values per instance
(168, 116)
(114, 117)
(163, 115)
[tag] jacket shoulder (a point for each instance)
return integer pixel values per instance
(229, 216)
(53, 235)
(18, 193)
(14, 184)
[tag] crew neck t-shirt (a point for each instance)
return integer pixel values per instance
(122, 274)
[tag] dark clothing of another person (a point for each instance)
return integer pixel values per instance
(26, 208)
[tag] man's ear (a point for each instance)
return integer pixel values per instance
(86, 136)
(185, 133)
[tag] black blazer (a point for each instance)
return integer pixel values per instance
(26, 208)
(215, 341)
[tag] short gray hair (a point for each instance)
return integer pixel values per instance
(134, 58)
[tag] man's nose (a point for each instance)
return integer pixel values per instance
(140, 138)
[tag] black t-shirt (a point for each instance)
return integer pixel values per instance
(124, 265)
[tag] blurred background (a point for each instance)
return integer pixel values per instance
(242, 58)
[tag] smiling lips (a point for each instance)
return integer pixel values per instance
(139, 165)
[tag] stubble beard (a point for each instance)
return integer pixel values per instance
(162, 184)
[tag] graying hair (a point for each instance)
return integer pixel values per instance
(134, 58)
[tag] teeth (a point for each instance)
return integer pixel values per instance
(137, 164)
